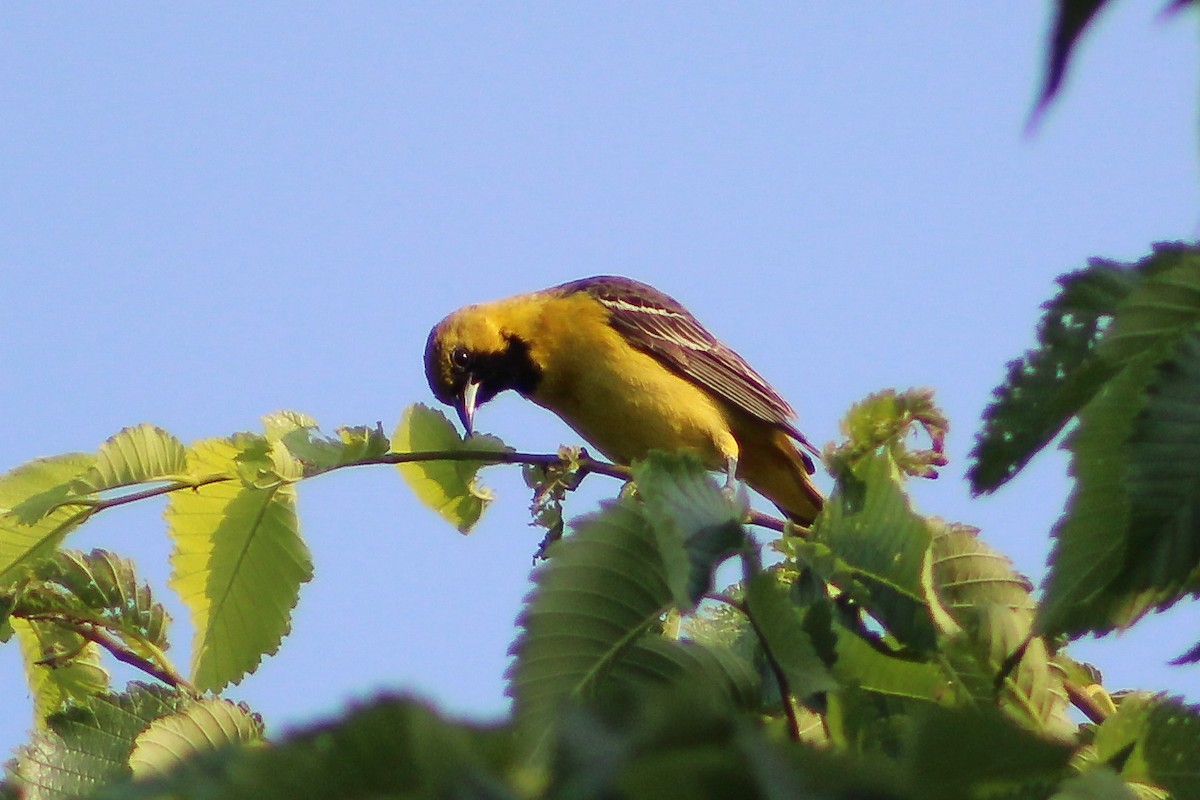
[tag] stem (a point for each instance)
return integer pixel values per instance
(96, 633)
(781, 678)
(586, 465)
(1084, 702)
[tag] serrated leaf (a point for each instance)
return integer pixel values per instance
(31, 523)
(1154, 740)
(868, 666)
(1050, 384)
(589, 624)
(781, 625)
(1091, 539)
(880, 549)
(75, 676)
(87, 746)
(655, 661)
(1161, 307)
(135, 455)
(696, 524)
(601, 589)
(102, 587)
(1163, 552)
(206, 725)
(448, 487)
(238, 564)
(390, 748)
(297, 435)
(994, 610)
(989, 752)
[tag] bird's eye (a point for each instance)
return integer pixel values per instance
(460, 357)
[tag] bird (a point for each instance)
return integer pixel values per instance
(631, 370)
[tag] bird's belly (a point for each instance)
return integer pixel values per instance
(625, 412)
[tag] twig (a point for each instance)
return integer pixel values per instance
(95, 633)
(1083, 701)
(585, 466)
(781, 678)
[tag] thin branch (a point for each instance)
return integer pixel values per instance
(585, 465)
(781, 678)
(96, 633)
(1083, 701)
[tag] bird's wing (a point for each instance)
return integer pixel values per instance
(658, 325)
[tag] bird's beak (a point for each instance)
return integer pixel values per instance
(466, 405)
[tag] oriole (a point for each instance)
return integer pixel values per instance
(631, 370)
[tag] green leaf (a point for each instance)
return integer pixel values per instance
(32, 524)
(780, 623)
(1163, 552)
(448, 487)
(238, 564)
(1091, 540)
(135, 455)
(390, 748)
(206, 725)
(589, 624)
(600, 590)
(103, 588)
(1162, 307)
(696, 524)
(879, 549)
(59, 666)
(297, 433)
(87, 746)
(883, 424)
(656, 661)
(1154, 740)
(991, 656)
(1050, 384)
(963, 753)
(867, 665)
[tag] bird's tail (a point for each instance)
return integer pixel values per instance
(782, 474)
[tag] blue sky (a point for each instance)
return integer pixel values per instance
(214, 212)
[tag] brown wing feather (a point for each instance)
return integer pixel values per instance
(658, 325)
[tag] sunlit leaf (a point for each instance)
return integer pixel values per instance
(88, 745)
(447, 486)
(991, 656)
(103, 587)
(205, 725)
(135, 455)
(298, 435)
(238, 565)
(31, 524)
(75, 674)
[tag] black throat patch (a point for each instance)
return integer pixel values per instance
(511, 368)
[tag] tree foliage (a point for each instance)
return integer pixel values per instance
(881, 653)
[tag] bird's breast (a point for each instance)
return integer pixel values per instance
(625, 402)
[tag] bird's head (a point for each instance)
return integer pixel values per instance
(470, 358)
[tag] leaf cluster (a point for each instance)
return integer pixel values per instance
(1118, 366)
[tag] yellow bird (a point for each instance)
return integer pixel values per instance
(631, 370)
